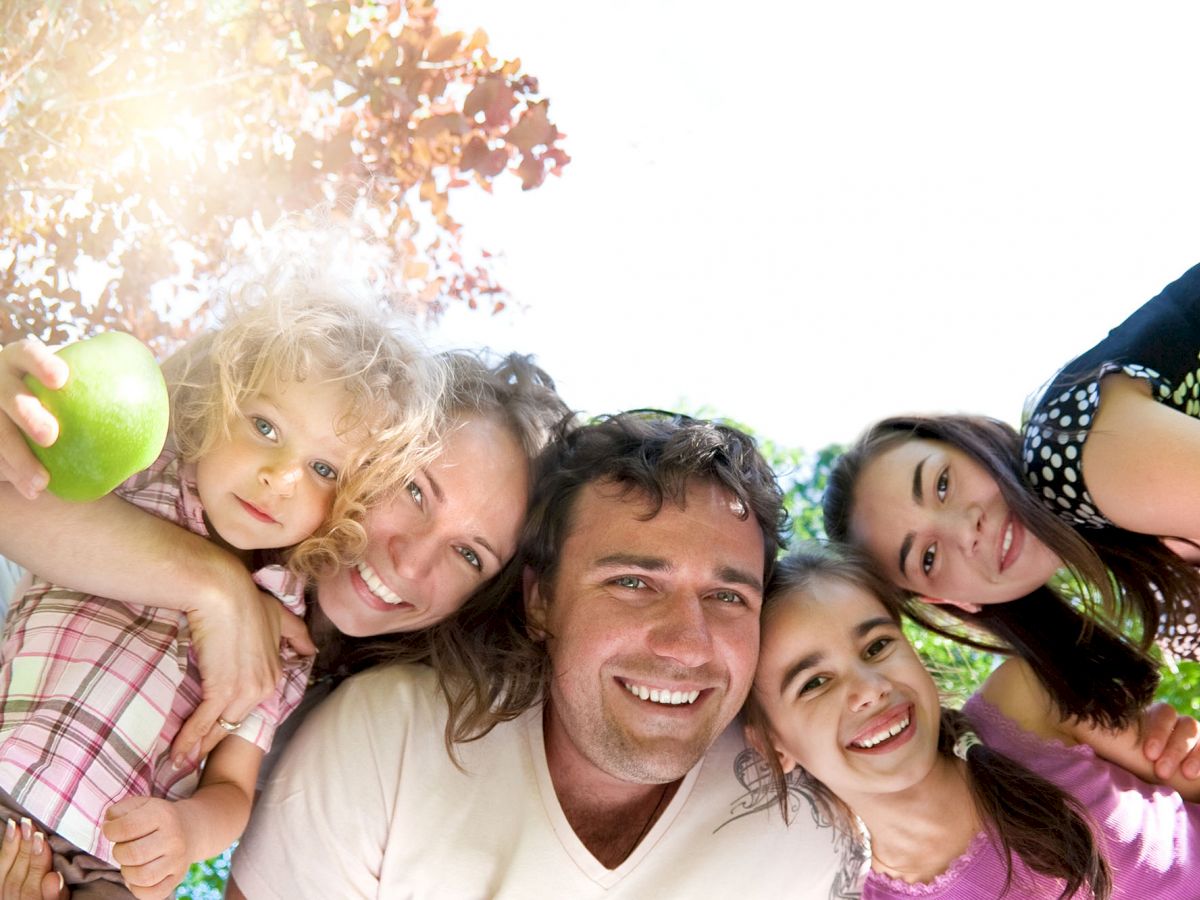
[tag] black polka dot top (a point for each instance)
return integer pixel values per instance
(1159, 343)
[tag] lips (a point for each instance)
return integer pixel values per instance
(886, 731)
(382, 595)
(257, 512)
(1012, 539)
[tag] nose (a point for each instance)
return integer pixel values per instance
(281, 476)
(681, 631)
(868, 686)
(414, 556)
(968, 529)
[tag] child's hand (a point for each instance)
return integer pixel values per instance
(25, 861)
(150, 843)
(21, 411)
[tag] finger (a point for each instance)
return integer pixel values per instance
(129, 819)
(200, 723)
(219, 734)
(138, 853)
(18, 465)
(30, 356)
(151, 875)
(20, 864)
(9, 849)
(39, 878)
(1180, 745)
(293, 630)
(1157, 724)
(53, 887)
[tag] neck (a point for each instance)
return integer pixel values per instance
(918, 832)
(609, 815)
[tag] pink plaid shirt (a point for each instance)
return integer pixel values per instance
(94, 691)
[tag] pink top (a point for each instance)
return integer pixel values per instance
(92, 691)
(1149, 835)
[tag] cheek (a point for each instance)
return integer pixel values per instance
(740, 652)
(451, 594)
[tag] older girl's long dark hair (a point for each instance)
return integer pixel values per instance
(1026, 815)
(1089, 670)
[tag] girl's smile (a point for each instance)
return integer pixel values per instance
(937, 523)
(846, 696)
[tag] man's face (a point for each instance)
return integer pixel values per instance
(652, 631)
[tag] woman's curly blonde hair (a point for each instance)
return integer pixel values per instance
(294, 323)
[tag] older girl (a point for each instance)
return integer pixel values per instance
(964, 511)
(1006, 794)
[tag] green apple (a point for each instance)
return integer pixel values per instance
(112, 416)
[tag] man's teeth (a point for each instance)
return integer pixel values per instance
(881, 736)
(1007, 541)
(654, 695)
(378, 588)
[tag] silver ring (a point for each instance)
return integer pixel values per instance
(227, 725)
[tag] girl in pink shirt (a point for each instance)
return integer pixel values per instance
(1004, 795)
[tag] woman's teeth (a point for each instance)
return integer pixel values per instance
(1007, 541)
(880, 736)
(377, 587)
(654, 695)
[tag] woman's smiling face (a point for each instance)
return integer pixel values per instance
(847, 697)
(936, 522)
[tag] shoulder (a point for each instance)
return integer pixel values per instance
(1015, 691)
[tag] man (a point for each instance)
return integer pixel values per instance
(648, 542)
(596, 751)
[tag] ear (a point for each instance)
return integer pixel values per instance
(755, 740)
(971, 608)
(535, 605)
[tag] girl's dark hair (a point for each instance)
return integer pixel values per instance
(1025, 814)
(1029, 817)
(1089, 670)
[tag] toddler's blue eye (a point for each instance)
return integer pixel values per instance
(325, 470)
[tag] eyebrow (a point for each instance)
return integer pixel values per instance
(861, 630)
(918, 495)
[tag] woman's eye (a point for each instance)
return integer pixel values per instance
(927, 558)
(813, 683)
(324, 470)
(943, 484)
(470, 556)
(263, 427)
(632, 582)
(415, 492)
(877, 646)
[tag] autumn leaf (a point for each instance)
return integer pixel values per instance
(534, 128)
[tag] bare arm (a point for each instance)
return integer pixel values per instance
(1141, 461)
(154, 840)
(1016, 692)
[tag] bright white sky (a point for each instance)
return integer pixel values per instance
(809, 215)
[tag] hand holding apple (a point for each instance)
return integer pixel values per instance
(112, 415)
(22, 414)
